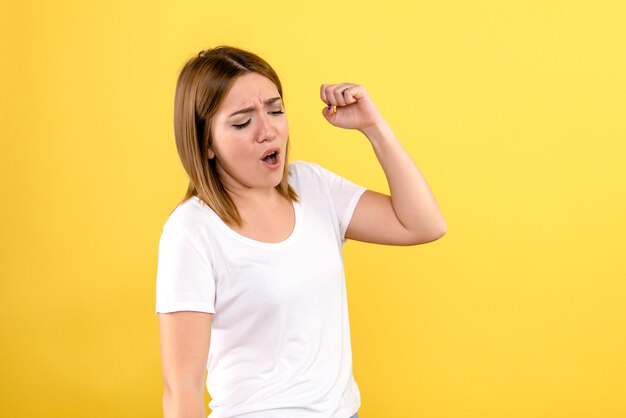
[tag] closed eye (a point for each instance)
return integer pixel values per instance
(243, 125)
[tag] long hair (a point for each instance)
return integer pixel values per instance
(202, 84)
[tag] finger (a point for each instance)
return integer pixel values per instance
(339, 93)
(348, 94)
(323, 95)
(329, 114)
(328, 107)
(328, 94)
(355, 93)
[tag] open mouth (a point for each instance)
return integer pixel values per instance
(271, 157)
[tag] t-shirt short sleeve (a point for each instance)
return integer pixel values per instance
(344, 194)
(185, 278)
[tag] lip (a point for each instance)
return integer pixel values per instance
(269, 151)
(277, 159)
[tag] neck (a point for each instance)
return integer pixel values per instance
(252, 197)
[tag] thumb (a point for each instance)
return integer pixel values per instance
(328, 114)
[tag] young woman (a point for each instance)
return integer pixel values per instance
(250, 282)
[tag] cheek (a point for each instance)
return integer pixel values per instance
(234, 148)
(284, 127)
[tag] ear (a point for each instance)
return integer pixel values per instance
(210, 153)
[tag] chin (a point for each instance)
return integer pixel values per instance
(269, 183)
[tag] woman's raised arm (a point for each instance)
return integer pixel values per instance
(410, 215)
(185, 339)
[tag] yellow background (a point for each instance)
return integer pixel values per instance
(515, 112)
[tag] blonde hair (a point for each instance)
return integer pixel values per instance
(201, 87)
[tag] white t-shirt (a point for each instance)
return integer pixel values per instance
(280, 336)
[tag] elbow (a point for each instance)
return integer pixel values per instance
(440, 228)
(436, 235)
(185, 389)
(443, 230)
(424, 237)
(175, 389)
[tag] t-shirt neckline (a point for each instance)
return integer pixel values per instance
(242, 238)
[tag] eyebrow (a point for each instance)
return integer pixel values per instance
(250, 109)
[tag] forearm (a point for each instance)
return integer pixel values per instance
(413, 202)
(183, 404)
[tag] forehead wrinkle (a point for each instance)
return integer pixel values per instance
(251, 108)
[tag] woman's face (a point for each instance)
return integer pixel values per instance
(249, 135)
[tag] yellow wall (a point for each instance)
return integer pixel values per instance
(515, 111)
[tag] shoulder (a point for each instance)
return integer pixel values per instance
(189, 229)
(185, 214)
(191, 218)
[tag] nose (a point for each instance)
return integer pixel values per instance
(266, 131)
